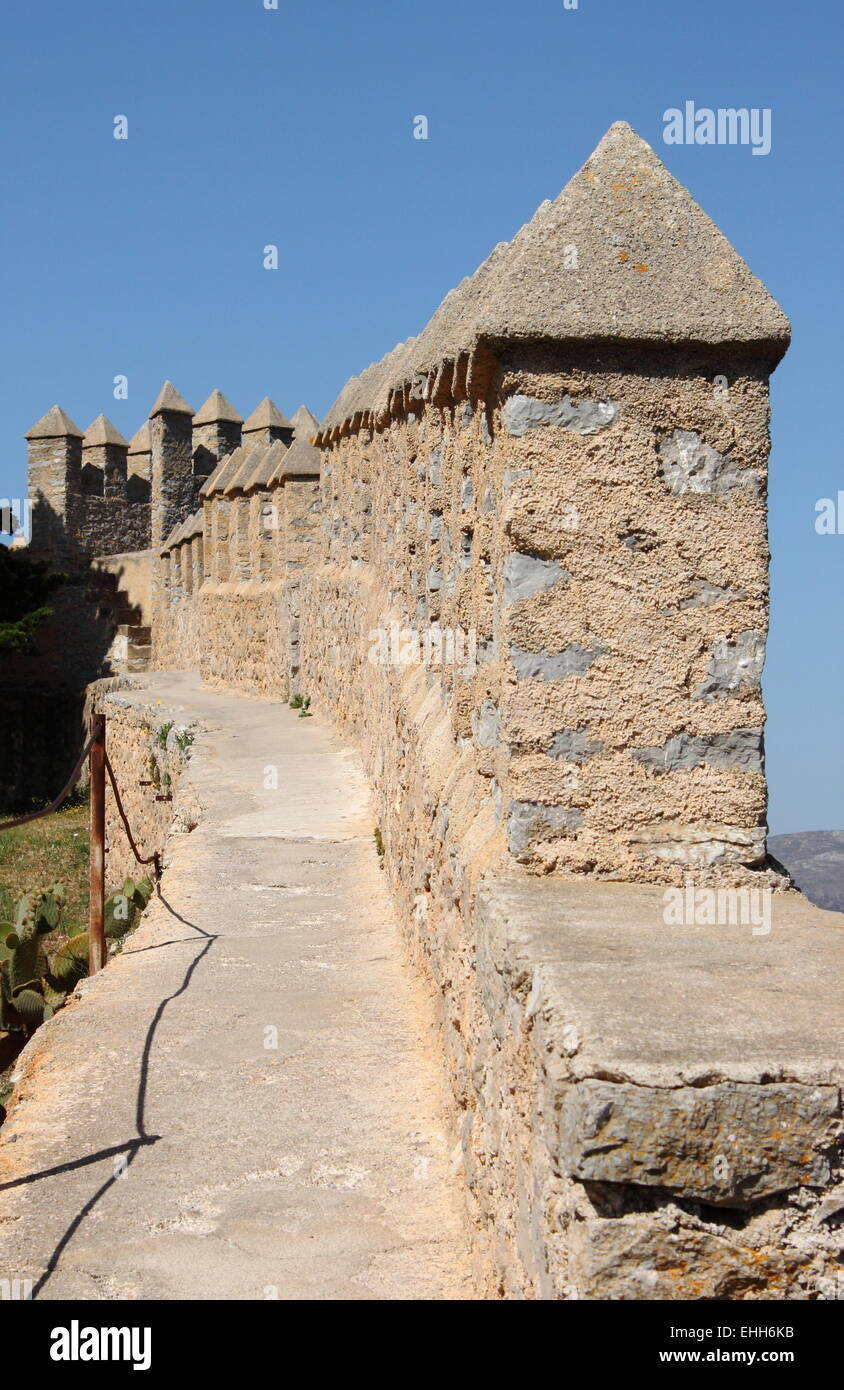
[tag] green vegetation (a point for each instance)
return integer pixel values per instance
(35, 982)
(303, 704)
(379, 842)
(54, 848)
(25, 586)
(183, 740)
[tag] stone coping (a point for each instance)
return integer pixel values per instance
(626, 998)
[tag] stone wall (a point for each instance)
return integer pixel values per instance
(584, 521)
(133, 576)
(148, 752)
(230, 576)
(108, 525)
(591, 535)
(524, 568)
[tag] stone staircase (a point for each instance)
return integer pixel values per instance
(130, 647)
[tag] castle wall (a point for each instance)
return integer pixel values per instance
(107, 525)
(593, 531)
(617, 612)
(236, 616)
(530, 584)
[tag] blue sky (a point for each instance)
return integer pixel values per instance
(293, 126)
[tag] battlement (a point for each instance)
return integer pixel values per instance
(94, 494)
(522, 566)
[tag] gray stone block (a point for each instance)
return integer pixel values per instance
(526, 575)
(738, 748)
(688, 464)
(489, 725)
(733, 666)
(553, 666)
(571, 746)
(523, 413)
(728, 1144)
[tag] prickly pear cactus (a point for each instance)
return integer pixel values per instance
(33, 987)
(122, 907)
(23, 963)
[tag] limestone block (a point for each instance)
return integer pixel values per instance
(728, 1144)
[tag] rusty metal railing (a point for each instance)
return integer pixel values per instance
(98, 766)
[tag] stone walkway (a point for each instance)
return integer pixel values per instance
(164, 1147)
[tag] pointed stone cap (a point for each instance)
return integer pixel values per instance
(102, 431)
(301, 460)
(237, 478)
(54, 425)
(650, 264)
(171, 540)
(305, 424)
(265, 473)
(266, 416)
(226, 469)
(194, 526)
(168, 399)
(140, 443)
(217, 408)
(624, 254)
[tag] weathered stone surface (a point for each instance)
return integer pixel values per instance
(547, 666)
(705, 844)
(630, 282)
(573, 746)
(521, 414)
(622, 996)
(706, 593)
(733, 666)
(526, 575)
(669, 1257)
(529, 821)
(688, 464)
(737, 748)
(489, 725)
(101, 431)
(215, 408)
(727, 1144)
(56, 424)
(169, 399)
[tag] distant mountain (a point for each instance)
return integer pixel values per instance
(815, 860)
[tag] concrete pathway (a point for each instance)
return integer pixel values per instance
(164, 1147)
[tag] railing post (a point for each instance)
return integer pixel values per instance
(96, 922)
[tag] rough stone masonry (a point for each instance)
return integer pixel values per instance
(564, 477)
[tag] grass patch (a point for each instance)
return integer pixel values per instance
(51, 850)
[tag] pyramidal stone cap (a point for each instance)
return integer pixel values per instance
(236, 479)
(623, 254)
(168, 399)
(273, 460)
(301, 460)
(102, 431)
(227, 466)
(140, 443)
(54, 425)
(305, 424)
(217, 408)
(266, 416)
